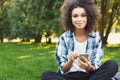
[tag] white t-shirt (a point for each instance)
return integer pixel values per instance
(79, 48)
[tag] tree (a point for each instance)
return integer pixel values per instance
(51, 18)
(29, 19)
(110, 11)
(25, 19)
(4, 23)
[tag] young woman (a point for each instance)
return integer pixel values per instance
(79, 19)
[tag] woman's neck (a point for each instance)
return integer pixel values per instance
(80, 32)
(80, 35)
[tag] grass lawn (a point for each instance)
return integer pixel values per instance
(24, 61)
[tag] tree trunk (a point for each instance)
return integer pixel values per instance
(107, 19)
(38, 38)
(102, 24)
(48, 39)
(1, 39)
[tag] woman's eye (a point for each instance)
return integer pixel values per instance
(75, 16)
(84, 15)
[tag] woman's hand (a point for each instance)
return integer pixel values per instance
(84, 63)
(72, 56)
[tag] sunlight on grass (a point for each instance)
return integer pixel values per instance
(26, 43)
(24, 57)
(113, 45)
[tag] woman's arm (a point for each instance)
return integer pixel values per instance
(71, 57)
(62, 60)
(66, 66)
(98, 52)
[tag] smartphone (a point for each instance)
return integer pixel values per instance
(84, 54)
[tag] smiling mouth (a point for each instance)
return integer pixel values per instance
(79, 23)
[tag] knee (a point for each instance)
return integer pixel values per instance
(44, 75)
(113, 65)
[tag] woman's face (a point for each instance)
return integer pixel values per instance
(79, 18)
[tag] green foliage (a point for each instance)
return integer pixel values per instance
(32, 19)
(28, 19)
(4, 23)
(51, 18)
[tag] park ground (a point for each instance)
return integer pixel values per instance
(26, 61)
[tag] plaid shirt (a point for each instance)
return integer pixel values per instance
(66, 44)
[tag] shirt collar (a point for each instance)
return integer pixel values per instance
(70, 33)
(92, 34)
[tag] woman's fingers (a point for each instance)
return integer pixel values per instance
(84, 59)
(72, 56)
(82, 64)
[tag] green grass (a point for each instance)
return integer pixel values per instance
(112, 52)
(24, 61)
